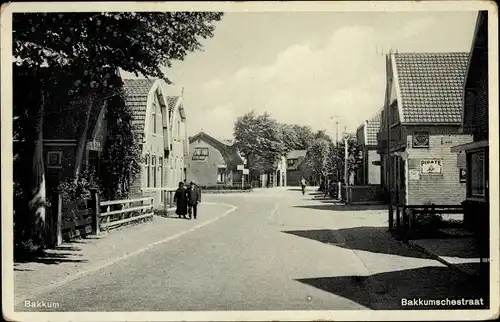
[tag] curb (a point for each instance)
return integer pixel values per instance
(440, 259)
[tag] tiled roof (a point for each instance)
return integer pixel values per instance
(171, 101)
(136, 93)
(372, 128)
(431, 86)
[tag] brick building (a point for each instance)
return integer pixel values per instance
(213, 162)
(366, 135)
(159, 121)
(475, 123)
(423, 114)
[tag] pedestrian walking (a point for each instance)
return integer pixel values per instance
(303, 185)
(194, 198)
(181, 199)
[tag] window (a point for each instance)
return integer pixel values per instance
(147, 170)
(290, 162)
(153, 165)
(200, 154)
(476, 173)
(221, 175)
(153, 119)
(54, 159)
(160, 166)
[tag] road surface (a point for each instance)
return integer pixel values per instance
(271, 249)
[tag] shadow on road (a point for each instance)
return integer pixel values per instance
(57, 255)
(370, 239)
(389, 288)
(50, 257)
(331, 206)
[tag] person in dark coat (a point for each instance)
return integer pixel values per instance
(181, 199)
(194, 193)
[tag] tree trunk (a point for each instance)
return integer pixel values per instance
(37, 197)
(82, 139)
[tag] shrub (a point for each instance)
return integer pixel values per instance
(227, 187)
(428, 222)
(74, 190)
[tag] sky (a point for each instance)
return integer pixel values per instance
(305, 67)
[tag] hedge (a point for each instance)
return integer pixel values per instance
(227, 187)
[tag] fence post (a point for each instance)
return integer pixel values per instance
(96, 213)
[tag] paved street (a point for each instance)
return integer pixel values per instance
(278, 250)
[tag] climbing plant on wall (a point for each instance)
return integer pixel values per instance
(122, 151)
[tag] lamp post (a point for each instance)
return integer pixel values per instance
(336, 117)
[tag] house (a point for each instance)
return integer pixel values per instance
(475, 122)
(61, 137)
(214, 161)
(298, 169)
(276, 178)
(159, 122)
(366, 135)
(423, 114)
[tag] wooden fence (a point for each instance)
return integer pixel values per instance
(167, 197)
(119, 212)
(85, 217)
(407, 216)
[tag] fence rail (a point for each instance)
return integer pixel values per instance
(407, 215)
(69, 220)
(129, 210)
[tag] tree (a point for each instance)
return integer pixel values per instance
(354, 157)
(318, 156)
(289, 137)
(305, 136)
(260, 139)
(45, 43)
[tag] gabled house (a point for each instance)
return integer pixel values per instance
(366, 135)
(298, 169)
(159, 121)
(423, 114)
(474, 121)
(214, 161)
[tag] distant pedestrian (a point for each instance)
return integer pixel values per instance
(181, 199)
(303, 185)
(194, 193)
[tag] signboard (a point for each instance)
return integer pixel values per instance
(240, 167)
(246, 171)
(463, 175)
(414, 174)
(431, 166)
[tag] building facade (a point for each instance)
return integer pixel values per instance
(297, 169)
(159, 121)
(213, 162)
(366, 135)
(423, 116)
(475, 122)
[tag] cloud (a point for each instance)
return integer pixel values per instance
(309, 82)
(306, 84)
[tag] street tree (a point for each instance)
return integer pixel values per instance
(45, 43)
(260, 139)
(354, 156)
(318, 156)
(290, 137)
(305, 136)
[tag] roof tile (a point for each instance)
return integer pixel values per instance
(431, 86)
